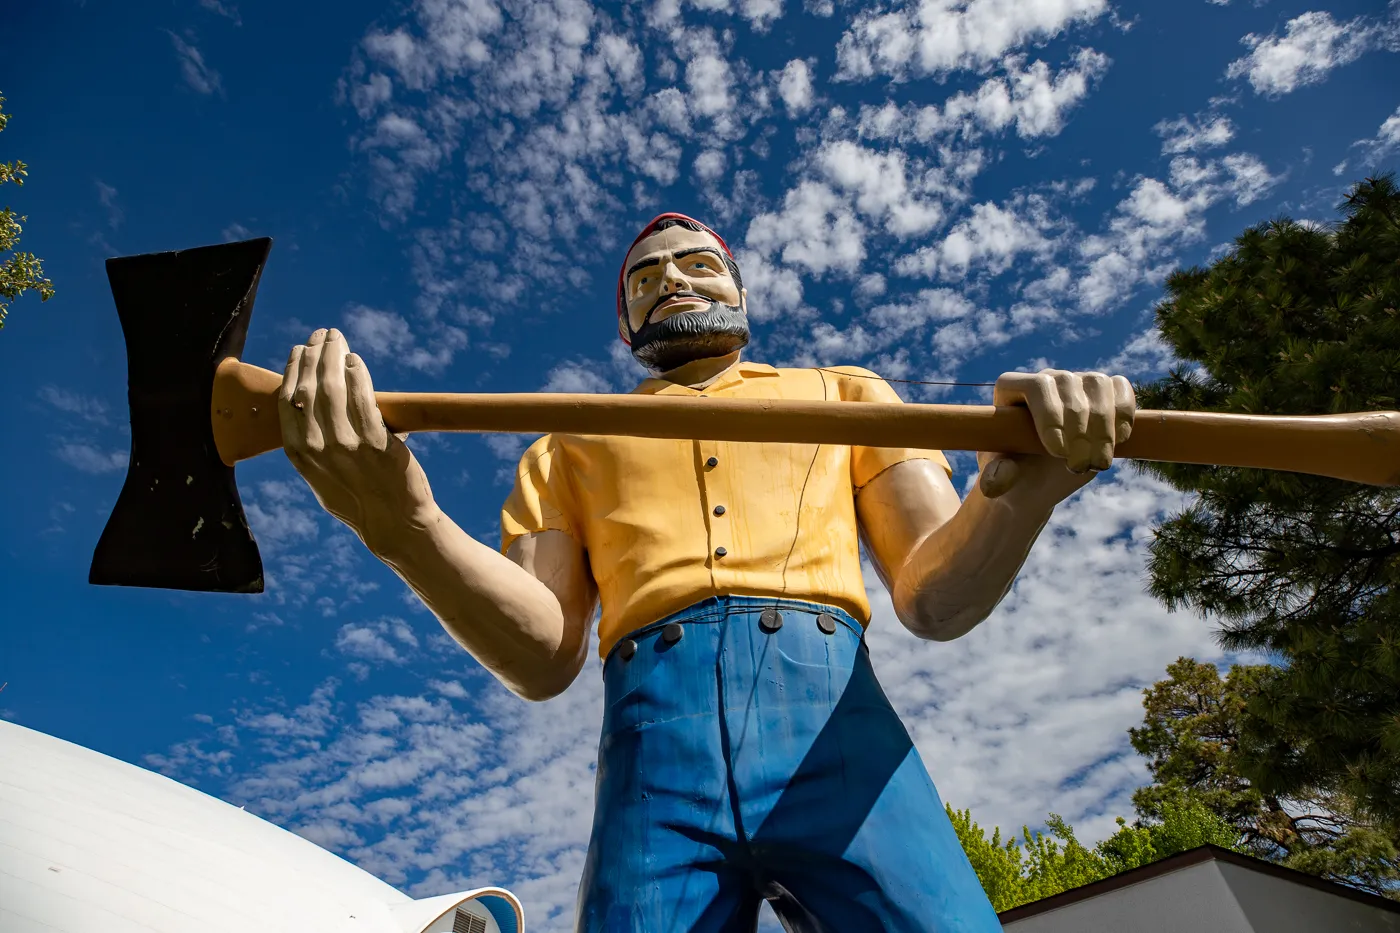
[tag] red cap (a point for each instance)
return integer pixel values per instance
(649, 229)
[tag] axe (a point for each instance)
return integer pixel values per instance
(196, 410)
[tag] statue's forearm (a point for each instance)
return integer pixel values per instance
(506, 618)
(956, 576)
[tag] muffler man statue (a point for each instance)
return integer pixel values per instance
(748, 752)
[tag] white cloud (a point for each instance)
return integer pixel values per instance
(226, 10)
(453, 41)
(1248, 178)
(386, 640)
(89, 458)
(1382, 146)
(795, 86)
(1187, 134)
(278, 515)
(930, 304)
(576, 377)
(198, 74)
(107, 196)
(872, 285)
(1147, 225)
(414, 153)
(849, 192)
(760, 14)
(816, 229)
(990, 238)
(708, 81)
(934, 37)
(74, 403)
(885, 186)
(1031, 98)
(958, 327)
(1157, 218)
(449, 688)
(709, 164)
(1311, 46)
(1145, 355)
(384, 335)
(773, 290)
(506, 447)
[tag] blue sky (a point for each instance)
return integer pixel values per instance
(945, 190)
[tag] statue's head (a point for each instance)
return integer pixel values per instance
(679, 295)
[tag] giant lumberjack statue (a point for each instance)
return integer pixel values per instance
(748, 752)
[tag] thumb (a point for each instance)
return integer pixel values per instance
(997, 475)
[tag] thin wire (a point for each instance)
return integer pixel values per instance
(911, 382)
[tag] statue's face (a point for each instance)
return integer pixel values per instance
(682, 302)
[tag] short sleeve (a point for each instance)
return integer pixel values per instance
(861, 385)
(541, 499)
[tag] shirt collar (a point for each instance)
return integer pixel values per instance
(735, 375)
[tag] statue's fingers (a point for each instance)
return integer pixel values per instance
(998, 476)
(304, 396)
(1043, 398)
(1011, 388)
(364, 411)
(1075, 406)
(1125, 408)
(1098, 389)
(331, 394)
(293, 436)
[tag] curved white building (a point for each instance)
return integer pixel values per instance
(91, 843)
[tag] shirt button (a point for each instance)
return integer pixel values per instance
(712, 462)
(720, 552)
(719, 510)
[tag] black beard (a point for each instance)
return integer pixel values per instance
(688, 336)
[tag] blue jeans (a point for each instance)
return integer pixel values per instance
(740, 764)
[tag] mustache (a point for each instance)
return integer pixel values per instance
(662, 299)
(680, 338)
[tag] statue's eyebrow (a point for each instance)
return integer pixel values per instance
(681, 254)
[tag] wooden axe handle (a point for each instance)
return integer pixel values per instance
(1362, 448)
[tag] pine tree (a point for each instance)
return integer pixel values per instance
(1298, 319)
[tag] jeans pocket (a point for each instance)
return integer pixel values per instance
(645, 688)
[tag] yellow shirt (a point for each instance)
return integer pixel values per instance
(667, 523)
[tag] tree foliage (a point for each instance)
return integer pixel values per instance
(1295, 319)
(1037, 865)
(1190, 738)
(19, 271)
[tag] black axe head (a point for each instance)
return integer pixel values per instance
(179, 523)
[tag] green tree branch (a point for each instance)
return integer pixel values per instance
(19, 271)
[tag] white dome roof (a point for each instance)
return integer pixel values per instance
(88, 843)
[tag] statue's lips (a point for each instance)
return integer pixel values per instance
(678, 305)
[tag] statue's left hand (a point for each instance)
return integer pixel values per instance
(1080, 418)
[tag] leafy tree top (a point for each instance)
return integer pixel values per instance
(19, 271)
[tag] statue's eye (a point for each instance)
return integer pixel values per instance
(701, 265)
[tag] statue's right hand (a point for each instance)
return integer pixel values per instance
(334, 435)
